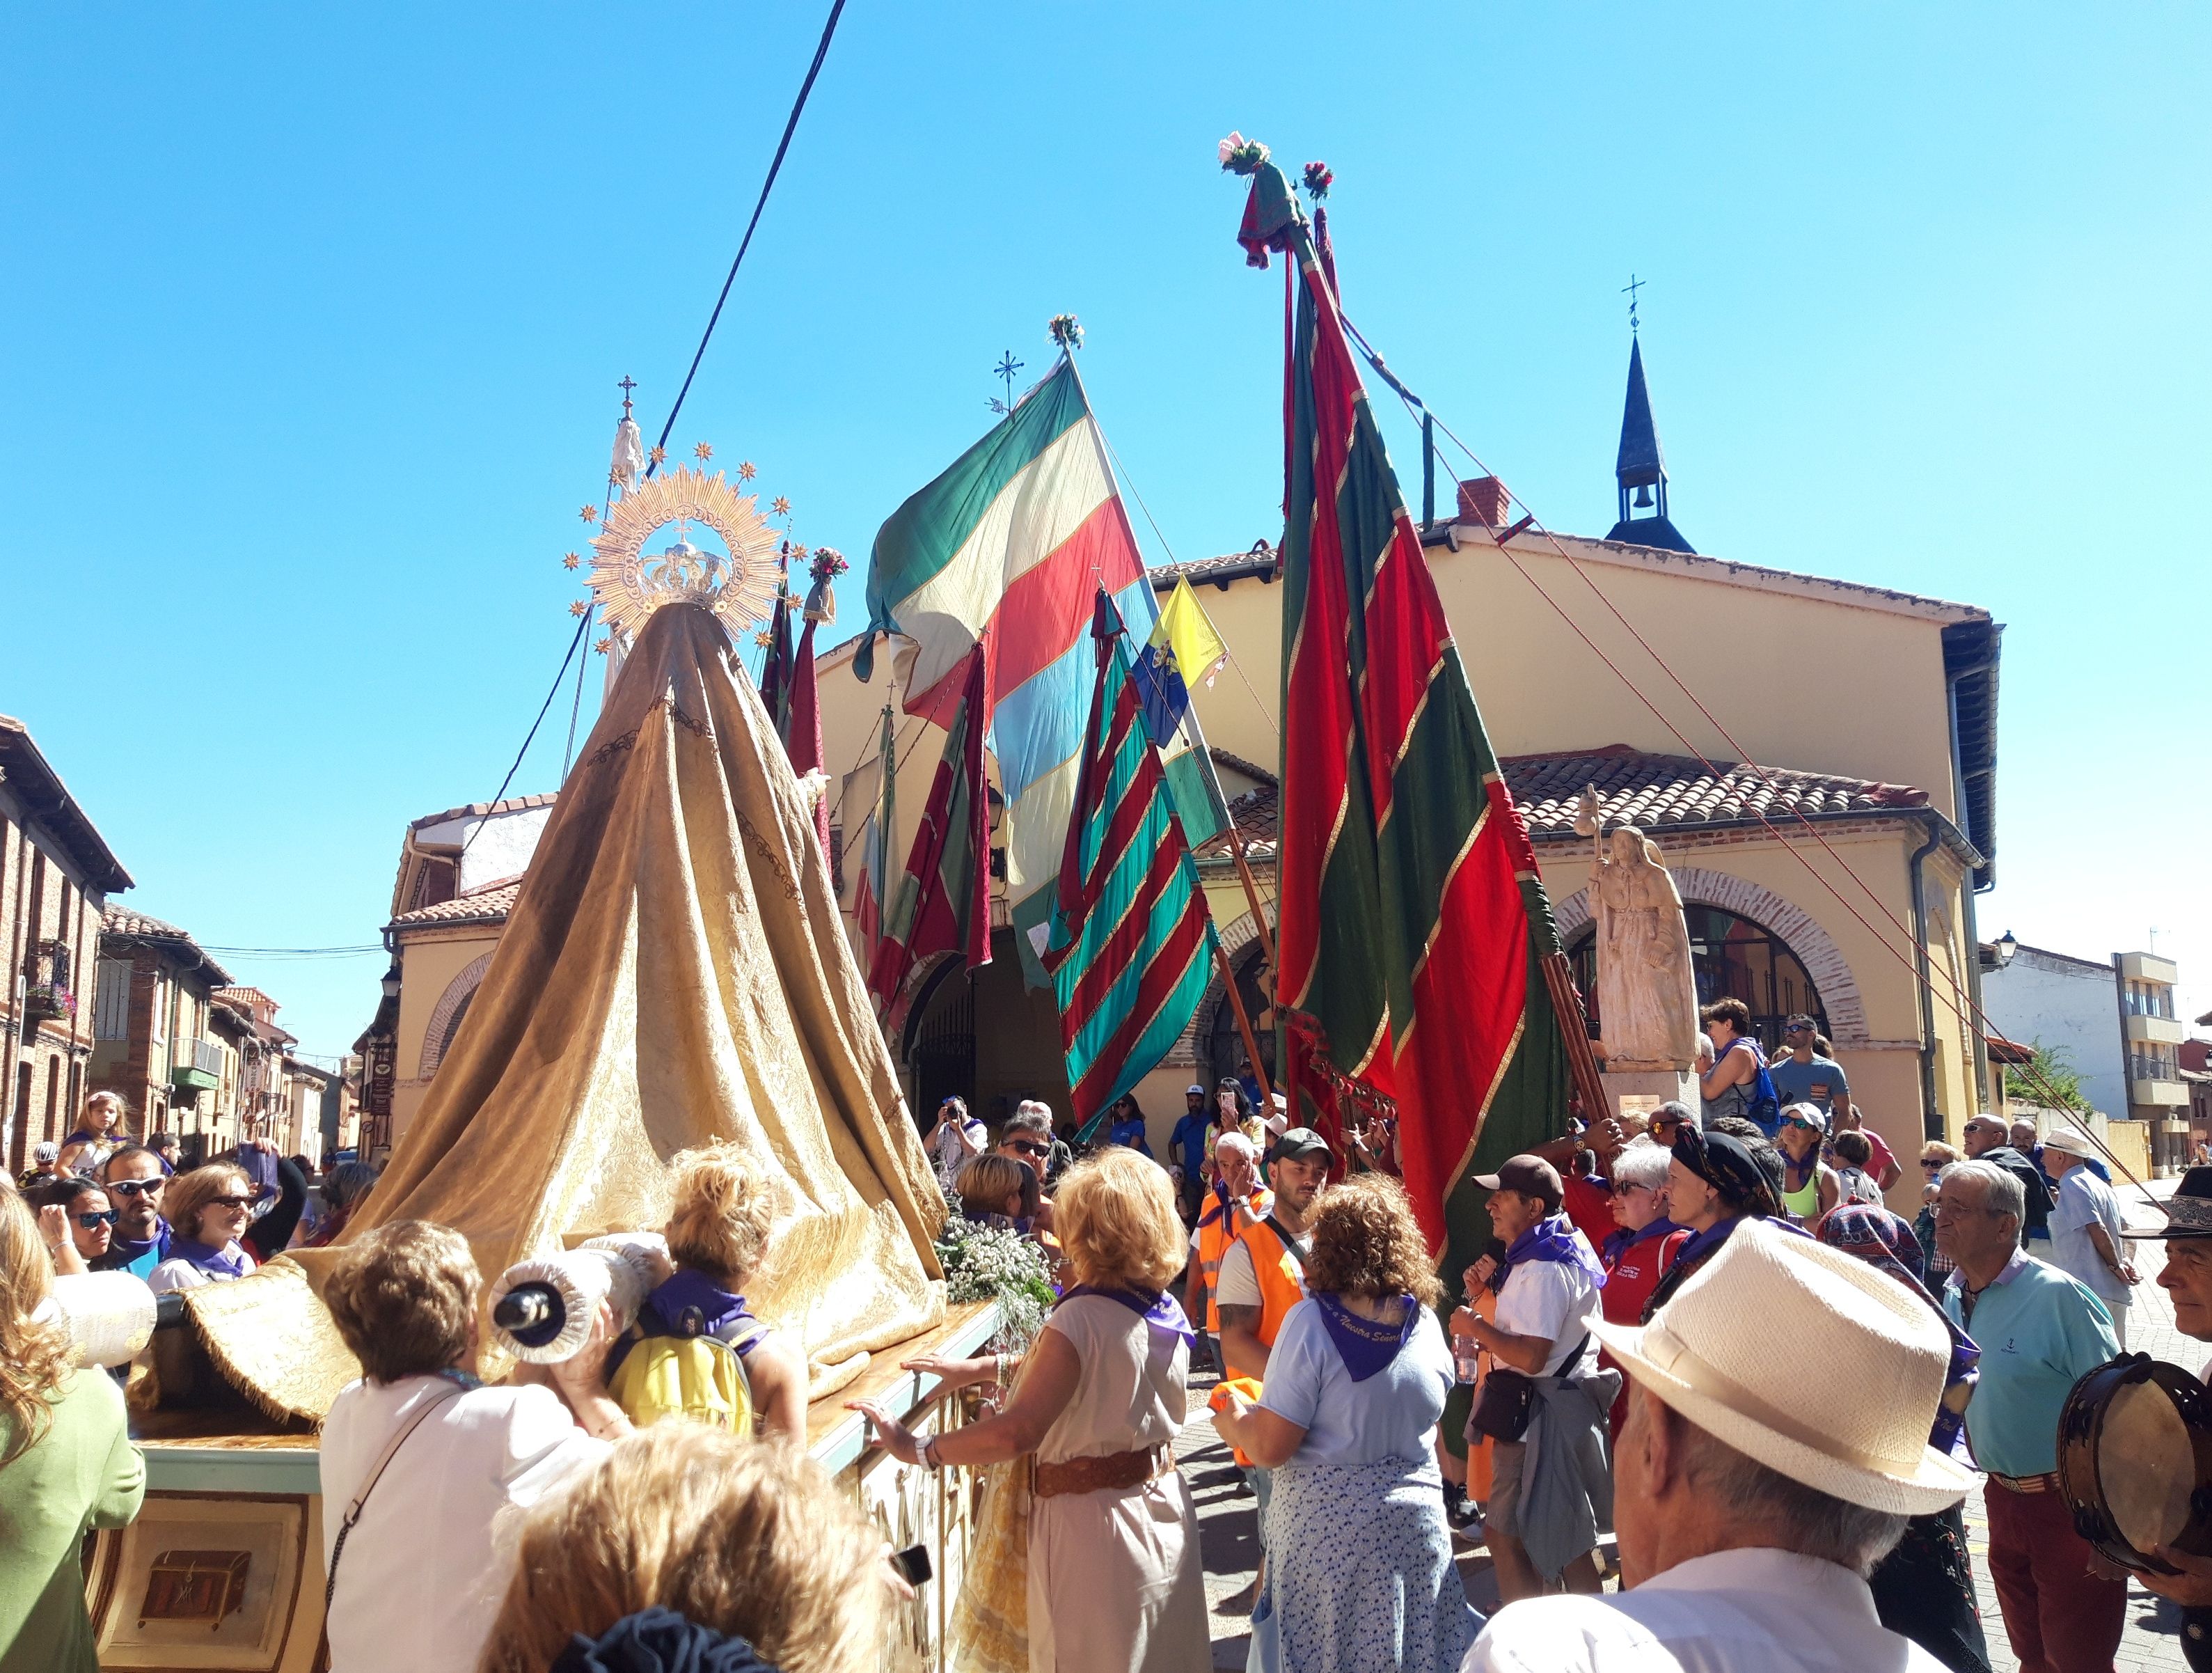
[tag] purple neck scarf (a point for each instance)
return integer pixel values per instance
(231, 1260)
(688, 1292)
(1622, 1241)
(1364, 1346)
(1556, 1239)
(1156, 1307)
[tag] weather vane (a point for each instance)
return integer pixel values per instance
(1006, 369)
(1629, 290)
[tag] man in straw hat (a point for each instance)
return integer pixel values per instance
(2085, 1226)
(1746, 1523)
(2039, 1332)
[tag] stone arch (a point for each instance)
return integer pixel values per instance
(1816, 948)
(458, 993)
(1235, 939)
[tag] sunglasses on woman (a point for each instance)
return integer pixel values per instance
(88, 1221)
(230, 1202)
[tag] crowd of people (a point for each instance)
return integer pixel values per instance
(1642, 1351)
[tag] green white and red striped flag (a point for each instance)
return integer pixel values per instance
(943, 901)
(1131, 946)
(1413, 927)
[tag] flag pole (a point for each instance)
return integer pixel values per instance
(1244, 1020)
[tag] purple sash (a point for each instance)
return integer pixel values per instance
(1156, 1307)
(1364, 1346)
(1618, 1244)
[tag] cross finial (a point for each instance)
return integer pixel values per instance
(1005, 370)
(628, 384)
(1629, 290)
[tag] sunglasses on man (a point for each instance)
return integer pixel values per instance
(1797, 1028)
(137, 1187)
(1029, 1147)
(88, 1221)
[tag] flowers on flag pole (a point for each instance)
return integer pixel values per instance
(1066, 331)
(1318, 179)
(1240, 156)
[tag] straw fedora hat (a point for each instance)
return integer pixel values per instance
(1745, 1344)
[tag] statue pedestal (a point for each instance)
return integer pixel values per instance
(1646, 1089)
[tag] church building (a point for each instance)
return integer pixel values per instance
(1828, 819)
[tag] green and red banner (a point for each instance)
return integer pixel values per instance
(1131, 946)
(944, 902)
(1412, 924)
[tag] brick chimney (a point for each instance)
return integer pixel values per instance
(1484, 501)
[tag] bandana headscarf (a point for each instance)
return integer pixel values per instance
(1366, 1346)
(1727, 1164)
(1884, 1241)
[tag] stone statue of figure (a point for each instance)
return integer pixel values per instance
(1647, 998)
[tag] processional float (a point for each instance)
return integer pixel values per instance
(674, 972)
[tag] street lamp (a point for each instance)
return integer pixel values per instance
(391, 982)
(2005, 948)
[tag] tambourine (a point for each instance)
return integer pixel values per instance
(2135, 1461)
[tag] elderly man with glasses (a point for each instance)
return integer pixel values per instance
(2039, 1332)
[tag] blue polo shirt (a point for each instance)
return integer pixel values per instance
(2040, 1332)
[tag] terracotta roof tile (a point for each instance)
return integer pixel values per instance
(1657, 792)
(484, 906)
(479, 809)
(121, 921)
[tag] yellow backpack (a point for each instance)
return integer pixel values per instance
(658, 1370)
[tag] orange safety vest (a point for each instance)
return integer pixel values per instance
(1214, 1237)
(1282, 1279)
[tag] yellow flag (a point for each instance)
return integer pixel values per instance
(1183, 629)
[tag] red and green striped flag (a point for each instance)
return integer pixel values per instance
(944, 902)
(1131, 946)
(1414, 928)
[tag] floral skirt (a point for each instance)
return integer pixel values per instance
(1360, 1577)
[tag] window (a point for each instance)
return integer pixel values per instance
(1734, 959)
(110, 1004)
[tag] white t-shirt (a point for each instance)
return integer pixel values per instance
(1551, 1299)
(1238, 1285)
(425, 1566)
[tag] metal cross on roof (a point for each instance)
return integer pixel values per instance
(628, 384)
(1629, 290)
(1005, 370)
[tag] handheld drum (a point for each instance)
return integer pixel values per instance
(2135, 1461)
(542, 1309)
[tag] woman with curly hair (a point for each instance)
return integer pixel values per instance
(696, 1349)
(1361, 1573)
(67, 1465)
(1114, 1581)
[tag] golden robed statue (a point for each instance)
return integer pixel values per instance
(1647, 998)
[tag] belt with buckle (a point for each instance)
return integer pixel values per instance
(1118, 1471)
(2047, 1483)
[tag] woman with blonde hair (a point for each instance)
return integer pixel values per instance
(67, 1466)
(999, 1192)
(1115, 1584)
(696, 1349)
(684, 1539)
(1360, 1555)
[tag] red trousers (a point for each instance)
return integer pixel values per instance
(2060, 1616)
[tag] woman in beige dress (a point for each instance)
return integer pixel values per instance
(1115, 1583)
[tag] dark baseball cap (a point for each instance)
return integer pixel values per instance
(1801, 1021)
(1297, 1142)
(1530, 1176)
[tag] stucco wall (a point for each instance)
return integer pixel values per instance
(2040, 1001)
(429, 963)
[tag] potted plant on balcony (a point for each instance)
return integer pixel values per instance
(42, 1000)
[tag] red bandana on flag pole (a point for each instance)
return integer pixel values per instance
(1414, 928)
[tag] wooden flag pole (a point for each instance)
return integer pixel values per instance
(1251, 896)
(1244, 1022)
(1567, 1006)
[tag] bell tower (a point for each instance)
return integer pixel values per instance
(1640, 469)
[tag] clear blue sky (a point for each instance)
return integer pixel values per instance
(314, 316)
